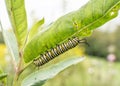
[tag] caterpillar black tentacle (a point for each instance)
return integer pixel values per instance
(84, 41)
(58, 50)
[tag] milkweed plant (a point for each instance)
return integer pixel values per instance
(31, 49)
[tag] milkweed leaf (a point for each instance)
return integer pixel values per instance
(77, 23)
(39, 77)
(35, 28)
(17, 14)
(11, 43)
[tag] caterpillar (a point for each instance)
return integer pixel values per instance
(58, 50)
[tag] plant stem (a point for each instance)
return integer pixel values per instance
(19, 67)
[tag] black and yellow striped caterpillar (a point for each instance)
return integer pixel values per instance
(59, 49)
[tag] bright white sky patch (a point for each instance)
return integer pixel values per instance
(51, 9)
(3, 15)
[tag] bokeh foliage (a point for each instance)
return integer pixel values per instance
(100, 41)
(1, 38)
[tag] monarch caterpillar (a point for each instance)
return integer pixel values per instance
(59, 49)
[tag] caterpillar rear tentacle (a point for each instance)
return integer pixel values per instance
(58, 50)
(84, 41)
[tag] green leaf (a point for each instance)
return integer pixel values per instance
(3, 75)
(39, 77)
(78, 23)
(11, 44)
(39, 83)
(1, 70)
(17, 14)
(35, 28)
